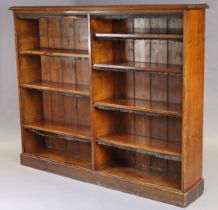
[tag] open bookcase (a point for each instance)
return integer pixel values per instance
(114, 96)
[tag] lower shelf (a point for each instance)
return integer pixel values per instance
(128, 184)
(73, 131)
(148, 176)
(165, 149)
(63, 158)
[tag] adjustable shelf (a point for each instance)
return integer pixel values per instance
(138, 36)
(140, 106)
(140, 67)
(78, 132)
(112, 95)
(160, 148)
(56, 52)
(63, 88)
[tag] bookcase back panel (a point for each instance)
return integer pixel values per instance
(63, 33)
(54, 107)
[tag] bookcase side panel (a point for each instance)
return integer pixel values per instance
(193, 82)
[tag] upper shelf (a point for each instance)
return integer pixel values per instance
(140, 106)
(138, 36)
(56, 52)
(63, 88)
(139, 66)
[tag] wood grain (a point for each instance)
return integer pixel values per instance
(192, 125)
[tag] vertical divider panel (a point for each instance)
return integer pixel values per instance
(101, 88)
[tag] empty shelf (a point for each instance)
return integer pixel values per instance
(139, 66)
(62, 157)
(145, 176)
(160, 148)
(73, 131)
(65, 88)
(138, 36)
(140, 106)
(56, 52)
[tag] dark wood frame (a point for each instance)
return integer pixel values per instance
(113, 95)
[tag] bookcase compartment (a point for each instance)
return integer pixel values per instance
(157, 136)
(138, 92)
(49, 131)
(143, 168)
(149, 142)
(54, 55)
(48, 112)
(57, 35)
(61, 149)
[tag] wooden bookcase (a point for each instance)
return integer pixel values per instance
(113, 95)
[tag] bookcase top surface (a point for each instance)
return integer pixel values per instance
(108, 8)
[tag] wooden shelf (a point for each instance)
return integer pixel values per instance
(56, 52)
(139, 66)
(164, 149)
(61, 129)
(138, 36)
(62, 157)
(64, 88)
(136, 105)
(148, 176)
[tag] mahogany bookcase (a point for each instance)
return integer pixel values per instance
(113, 95)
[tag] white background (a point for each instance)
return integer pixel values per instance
(25, 188)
